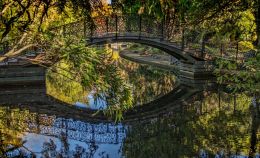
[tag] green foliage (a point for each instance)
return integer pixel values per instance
(17, 17)
(120, 83)
(96, 72)
(203, 124)
(13, 124)
(246, 79)
(148, 83)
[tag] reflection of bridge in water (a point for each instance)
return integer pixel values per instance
(109, 133)
(35, 99)
(69, 129)
(51, 117)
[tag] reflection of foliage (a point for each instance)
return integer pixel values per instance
(49, 149)
(245, 78)
(12, 125)
(89, 70)
(63, 88)
(201, 125)
(146, 81)
(96, 72)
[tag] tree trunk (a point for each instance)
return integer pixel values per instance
(253, 139)
(257, 19)
(254, 129)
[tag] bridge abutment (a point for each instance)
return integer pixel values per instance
(196, 70)
(25, 76)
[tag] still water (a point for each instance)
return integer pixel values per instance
(168, 119)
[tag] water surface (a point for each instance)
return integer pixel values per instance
(168, 119)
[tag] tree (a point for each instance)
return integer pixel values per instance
(257, 20)
(21, 22)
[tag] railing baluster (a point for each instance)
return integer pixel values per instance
(91, 32)
(237, 51)
(140, 25)
(221, 49)
(116, 26)
(107, 25)
(84, 29)
(203, 44)
(183, 39)
(63, 30)
(162, 28)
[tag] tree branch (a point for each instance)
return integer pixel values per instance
(13, 53)
(5, 8)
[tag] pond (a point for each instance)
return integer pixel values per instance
(166, 118)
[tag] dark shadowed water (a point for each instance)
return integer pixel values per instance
(177, 120)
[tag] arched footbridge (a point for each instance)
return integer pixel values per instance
(195, 50)
(191, 51)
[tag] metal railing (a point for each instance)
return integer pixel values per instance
(184, 37)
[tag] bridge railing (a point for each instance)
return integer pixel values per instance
(199, 45)
(184, 37)
(127, 25)
(181, 36)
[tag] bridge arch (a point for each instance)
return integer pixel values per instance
(164, 46)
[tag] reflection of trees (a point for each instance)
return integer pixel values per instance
(49, 149)
(63, 87)
(96, 72)
(200, 125)
(13, 122)
(146, 81)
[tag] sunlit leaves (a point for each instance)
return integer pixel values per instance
(13, 122)
(94, 69)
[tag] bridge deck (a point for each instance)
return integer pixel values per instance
(113, 36)
(173, 49)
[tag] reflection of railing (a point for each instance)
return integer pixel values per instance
(108, 133)
(18, 153)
